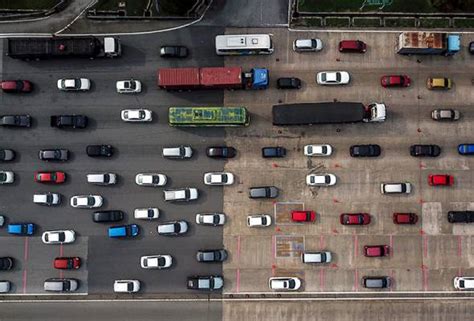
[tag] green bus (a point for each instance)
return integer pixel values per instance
(208, 116)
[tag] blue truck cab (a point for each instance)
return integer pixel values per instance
(21, 229)
(257, 78)
(454, 44)
(124, 231)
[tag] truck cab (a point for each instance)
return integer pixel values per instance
(257, 78)
(112, 47)
(376, 112)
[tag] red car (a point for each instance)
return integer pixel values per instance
(354, 219)
(405, 218)
(352, 46)
(440, 180)
(16, 86)
(50, 177)
(376, 250)
(395, 81)
(303, 216)
(67, 263)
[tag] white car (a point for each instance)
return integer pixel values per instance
(47, 198)
(151, 213)
(103, 179)
(212, 219)
(307, 45)
(156, 261)
(74, 84)
(7, 177)
(126, 286)
(58, 237)
(87, 201)
(463, 283)
(333, 78)
(136, 115)
(219, 178)
(259, 220)
(151, 179)
(321, 179)
(317, 150)
(284, 283)
(130, 86)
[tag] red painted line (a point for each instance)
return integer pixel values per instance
(273, 247)
(321, 242)
(459, 245)
(24, 281)
(425, 245)
(356, 280)
(424, 271)
(460, 271)
(238, 249)
(355, 240)
(61, 250)
(25, 257)
(391, 245)
(237, 288)
(321, 279)
(392, 278)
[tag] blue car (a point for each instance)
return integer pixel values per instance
(122, 231)
(21, 229)
(466, 149)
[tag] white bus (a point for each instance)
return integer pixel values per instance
(244, 45)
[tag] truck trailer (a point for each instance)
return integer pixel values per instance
(428, 43)
(62, 47)
(327, 113)
(211, 78)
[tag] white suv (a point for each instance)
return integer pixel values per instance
(284, 283)
(130, 86)
(395, 188)
(259, 220)
(321, 180)
(126, 286)
(307, 45)
(87, 201)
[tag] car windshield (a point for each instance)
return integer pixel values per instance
(291, 284)
(338, 76)
(61, 236)
(264, 220)
(161, 261)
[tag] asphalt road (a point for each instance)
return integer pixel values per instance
(138, 149)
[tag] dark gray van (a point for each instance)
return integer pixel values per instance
(376, 282)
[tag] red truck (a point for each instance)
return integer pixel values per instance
(211, 78)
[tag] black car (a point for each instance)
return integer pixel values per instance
(174, 52)
(107, 216)
(6, 263)
(54, 155)
(206, 282)
(425, 150)
(271, 152)
(211, 256)
(16, 120)
(376, 282)
(372, 150)
(221, 152)
(72, 121)
(100, 150)
(471, 47)
(7, 155)
(263, 192)
(289, 83)
(461, 216)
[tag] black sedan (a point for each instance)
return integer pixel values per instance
(289, 83)
(15, 120)
(174, 52)
(221, 152)
(54, 155)
(6, 263)
(425, 150)
(205, 282)
(107, 216)
(372, 150)
(461, 216)
(210, 256)
(100, 150)
(7, 155)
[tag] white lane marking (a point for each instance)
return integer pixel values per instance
(93, 2)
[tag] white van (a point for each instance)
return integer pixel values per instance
(61, 285)
(183, 194)
(316, 257)
(150, 213)
(464, 282)
(102, 178)
(126, 286)
(47, 198)
(284, 283)
(180, 152)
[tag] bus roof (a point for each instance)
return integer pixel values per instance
(207, 116)
(243, 41)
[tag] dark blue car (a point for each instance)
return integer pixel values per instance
(21, 228)
(466, 149)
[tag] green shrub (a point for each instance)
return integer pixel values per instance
(337, 22)
(400, 22)
(434, 23)
(366, 22)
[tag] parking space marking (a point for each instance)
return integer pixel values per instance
(321, 242)
(24, 281)
(356, 281)
(459, 245)
(289, 246)
(237, 277)
(391, 245)
(355, 240)
(282, 210)
(25, 257)
(424, 272)
(321, 279)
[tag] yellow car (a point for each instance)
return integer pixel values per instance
(439, 83)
